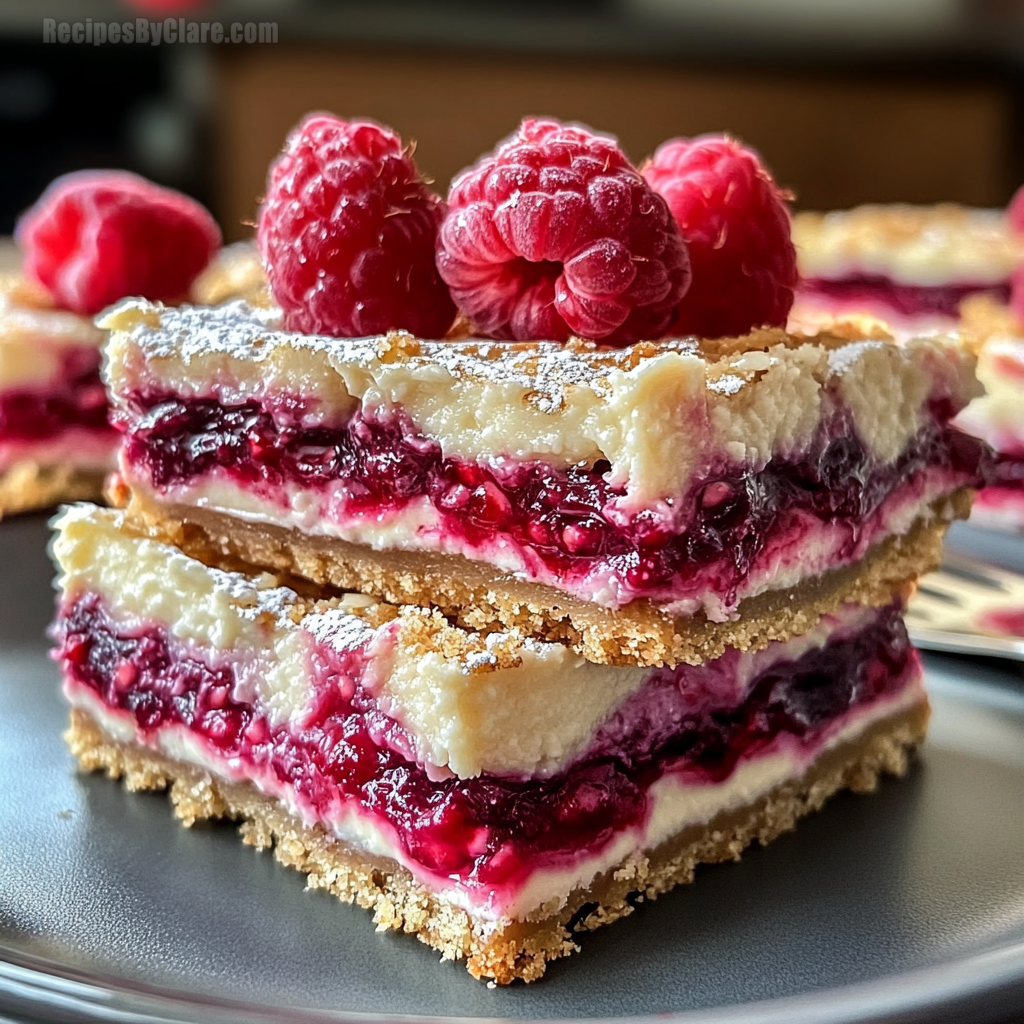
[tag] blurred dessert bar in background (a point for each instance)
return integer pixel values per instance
(908, 266)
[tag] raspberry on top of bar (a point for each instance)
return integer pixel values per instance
(670, 478)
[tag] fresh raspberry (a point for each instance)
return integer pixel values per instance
(1015, 211)
(347, 234)
(556, 233)
(736, 222)
(94, 237)
(1017, 294)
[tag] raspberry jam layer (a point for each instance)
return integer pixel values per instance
(562, 523)
(487, 831)
(75, 399)
(904, 299)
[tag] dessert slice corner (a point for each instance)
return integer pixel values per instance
(492, 794)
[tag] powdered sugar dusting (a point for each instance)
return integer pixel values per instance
(546, 370)
(338, 629)
(477, 660)
(727, 384)
(842, 360)
(252, 598)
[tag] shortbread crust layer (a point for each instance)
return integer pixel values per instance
(478, 597)
(27, 485)
(521, 950)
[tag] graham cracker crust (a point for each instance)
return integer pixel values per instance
(519, 949)
(477, 596)
(27, 486)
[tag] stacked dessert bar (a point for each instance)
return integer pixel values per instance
(492, 636)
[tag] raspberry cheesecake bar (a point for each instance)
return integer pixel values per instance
(909, 266)
(91, 239)
(996, 332)
(235, 273)
(514, 560)
(489, 793)
(648, 504)
(55, 441)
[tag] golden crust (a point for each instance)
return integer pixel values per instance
(522, 949)
(26, 486)
(479, 597)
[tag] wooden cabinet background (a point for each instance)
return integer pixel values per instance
(835, 138)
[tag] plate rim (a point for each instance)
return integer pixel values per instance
(945, 991)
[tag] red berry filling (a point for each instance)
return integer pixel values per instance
(76, 399)
(736, 223)
(489, 830)
(555, 233)
(905, 299)
(558, 519)
(347, 234)
(95, 237)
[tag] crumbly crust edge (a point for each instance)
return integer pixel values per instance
(27, 486)
(478, 597)
(520, 949)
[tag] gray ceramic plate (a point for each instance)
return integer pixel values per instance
(907, 905)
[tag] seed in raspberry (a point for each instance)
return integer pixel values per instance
(555, 233)
(736, 222)
(347, 233)
(94, 237)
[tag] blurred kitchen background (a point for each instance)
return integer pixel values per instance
(848, 100)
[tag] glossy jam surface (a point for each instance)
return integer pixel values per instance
(486, 831)
(559, 520)
(76, 399)
(905, 299)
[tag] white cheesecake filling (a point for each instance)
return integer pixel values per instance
(503, 703)
(34, 342)
(997, 416)
(658, 413)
